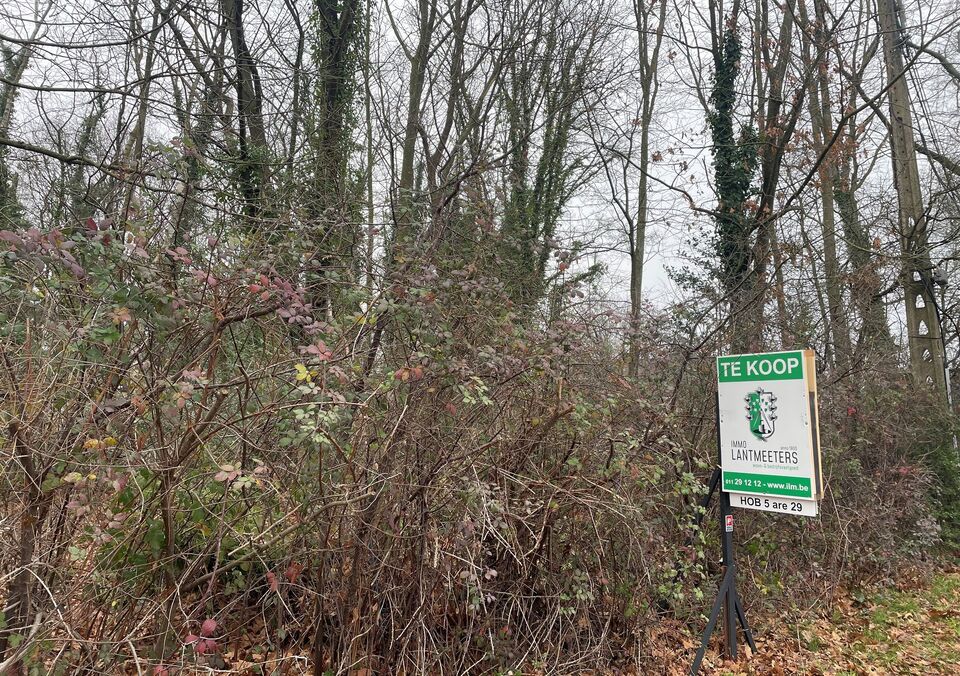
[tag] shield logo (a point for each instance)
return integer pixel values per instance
(761, 409)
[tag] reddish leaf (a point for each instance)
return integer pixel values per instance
(11, 237)
(227, 473)
(319, 350)
(208, 628)
(293, 572)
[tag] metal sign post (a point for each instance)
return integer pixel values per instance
(727, 597)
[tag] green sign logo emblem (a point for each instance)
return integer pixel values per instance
(762, 407)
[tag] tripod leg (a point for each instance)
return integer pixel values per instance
(742, 616)
(712, 622)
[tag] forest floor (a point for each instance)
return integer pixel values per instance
(911, 628)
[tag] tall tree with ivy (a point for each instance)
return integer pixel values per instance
(334, 193)
(13, 63)
(734, 163)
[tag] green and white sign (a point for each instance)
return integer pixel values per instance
(769, 436)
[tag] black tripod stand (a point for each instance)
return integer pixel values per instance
(727, 596)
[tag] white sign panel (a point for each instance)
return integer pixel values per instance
(783, 505)
(769, 438)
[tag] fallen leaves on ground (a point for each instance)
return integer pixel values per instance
(912, 631)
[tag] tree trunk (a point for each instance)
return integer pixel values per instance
(254, 170)
(822, 123)
(649, 86)
(404, 218)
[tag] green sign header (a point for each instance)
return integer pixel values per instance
(759, 367)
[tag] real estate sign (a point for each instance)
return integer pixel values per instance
(769, 436)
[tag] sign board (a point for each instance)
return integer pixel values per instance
(769, 434)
